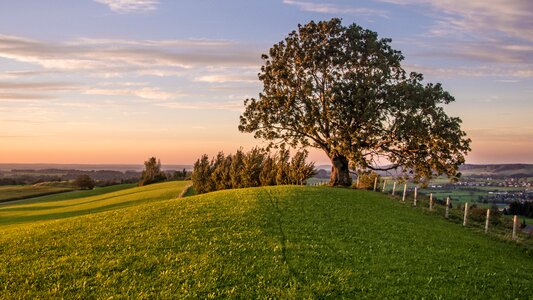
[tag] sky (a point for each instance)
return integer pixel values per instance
(119, 81)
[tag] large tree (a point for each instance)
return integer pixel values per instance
(343, 90)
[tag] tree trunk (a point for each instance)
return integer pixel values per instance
(340, 173)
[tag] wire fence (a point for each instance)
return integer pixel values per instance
(482, 220)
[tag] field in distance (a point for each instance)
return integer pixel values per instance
(86, 202)
(271, 242)
(17, 192)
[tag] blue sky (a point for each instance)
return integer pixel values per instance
(118, 81)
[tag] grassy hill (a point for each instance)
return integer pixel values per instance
(273, 242)
(86, 202)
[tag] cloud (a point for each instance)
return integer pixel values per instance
(492, 18)
(17, 96)
(502, 134)
(223, 78)
(203, 105)
(39, 86)
(190, 64)
(24, 73)
(487, 38)
(204, 43)
(130, 6)
(329, 8)
(110, 58)
(498, 31)
(496, 58)
(502, 73)
(32, 92)
(151, 93)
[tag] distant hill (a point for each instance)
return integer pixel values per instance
(475, 170)
(493, 170)
(497, 170)
(88, 167)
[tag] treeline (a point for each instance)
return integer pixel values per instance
(100, 177)
(520, 208)
(257, 167)
(26, 179)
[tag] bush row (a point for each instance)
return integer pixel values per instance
(257, 167)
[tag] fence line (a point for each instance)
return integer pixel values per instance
(447, 206)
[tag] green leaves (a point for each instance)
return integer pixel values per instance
(251, 169)
(343, 90)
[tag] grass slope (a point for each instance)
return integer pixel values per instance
(86, 202)
(274, 242)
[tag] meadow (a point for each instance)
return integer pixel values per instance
(85, 202)
(269, 242)
(17, 192)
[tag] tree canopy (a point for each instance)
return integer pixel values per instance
(343, 90)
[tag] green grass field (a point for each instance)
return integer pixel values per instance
(86, 202)
(16, 192)
(274, 242)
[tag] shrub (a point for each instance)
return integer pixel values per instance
(84, 182)
(477, 214)
(366, 180)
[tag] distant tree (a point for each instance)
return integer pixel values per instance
(152, 172)
(237, 165)
(218, 172)
(252, 166)
(180, 175)
(519, 208)
(299, 169)
(221, 172)
(268, 172)
(84, 182)
(343, 90)
(201, 175)
(226, 177)
(282, 166)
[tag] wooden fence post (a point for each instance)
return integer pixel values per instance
(404, 191)
(447, 213)
(416, 194)
(375, 183)
(357, 183)
(465, 219)
(394, 188)
(431, 201)
(515, 225)
(487, 221)
(384, 184)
